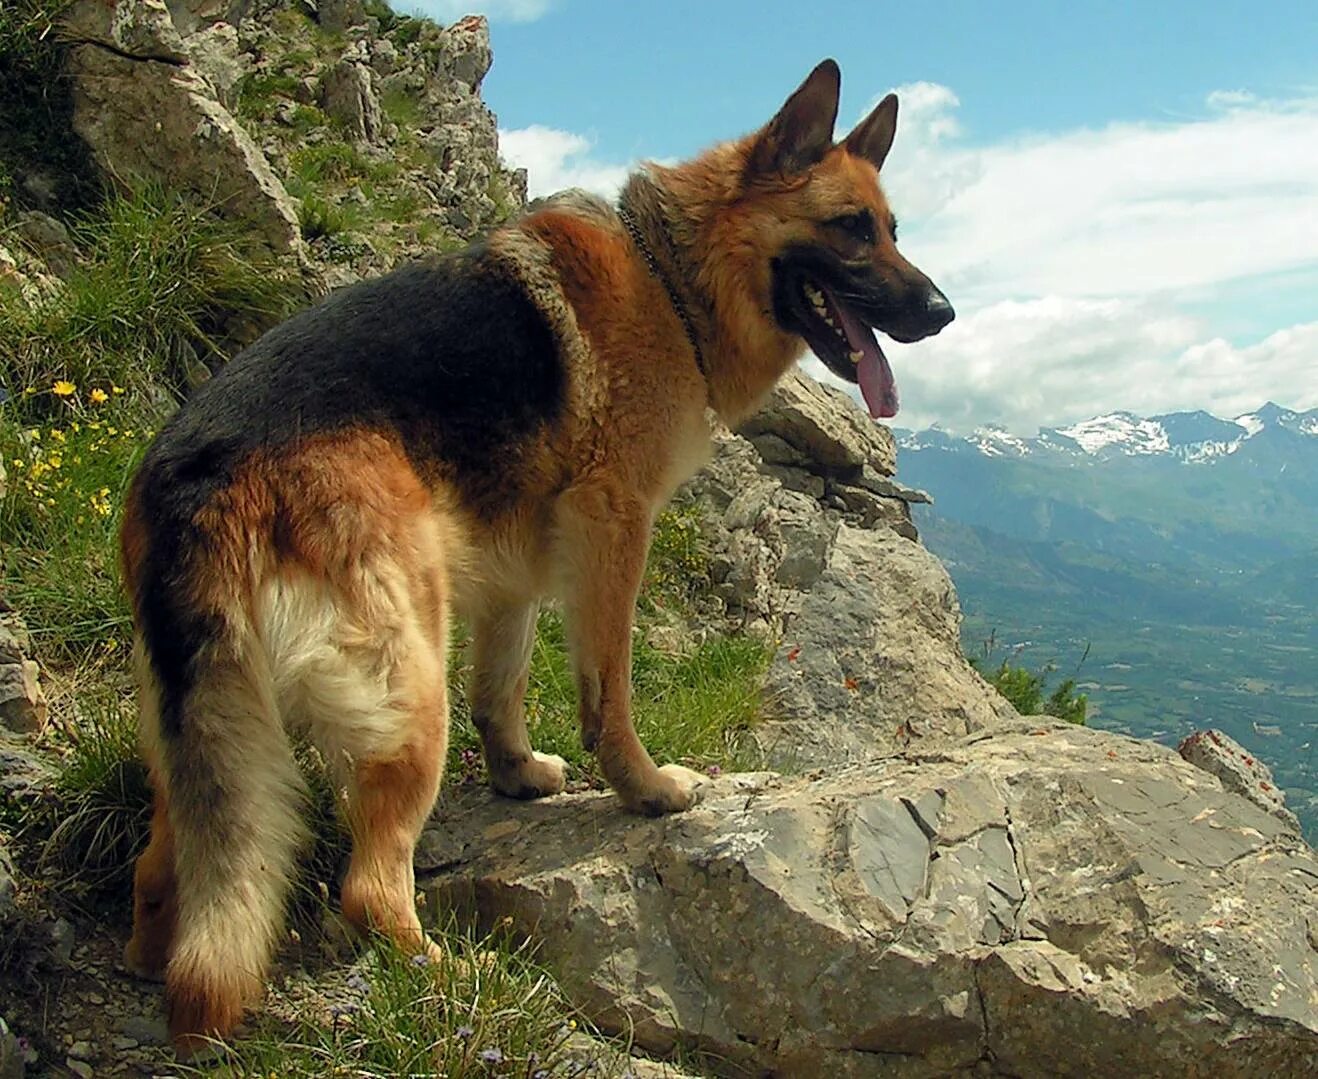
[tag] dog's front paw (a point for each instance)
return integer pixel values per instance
(536, 777)
(676, 791)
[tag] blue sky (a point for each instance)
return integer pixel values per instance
(1121, 198)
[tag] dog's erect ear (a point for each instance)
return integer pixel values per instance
(802, 132)
(872, 137)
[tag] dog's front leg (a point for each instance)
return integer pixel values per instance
(603, 535)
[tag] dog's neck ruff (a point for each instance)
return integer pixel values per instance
(638, 238)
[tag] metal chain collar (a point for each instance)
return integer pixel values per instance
(633, 230)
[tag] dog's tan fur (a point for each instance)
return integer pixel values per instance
(330, 565)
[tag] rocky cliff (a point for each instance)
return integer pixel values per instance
(927, 883)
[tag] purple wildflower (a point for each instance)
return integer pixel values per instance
(464, 1032)
(493, 1055)
(714, 770)
(357, 982)
(420, 960)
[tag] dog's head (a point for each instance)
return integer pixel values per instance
(835, 274)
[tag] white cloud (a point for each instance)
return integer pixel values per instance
(1071, 259)
(1128, 210)
(447, 11)
(555, 160)
(1056, 360)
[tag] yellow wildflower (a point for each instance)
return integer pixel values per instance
(99, 396)
(64, 388)
(116, 389)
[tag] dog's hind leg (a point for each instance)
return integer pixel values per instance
(502, 637)
(603, 535)
(371, 693)
(388, 801)
(155, 886)
(155, 893)
(235, 797)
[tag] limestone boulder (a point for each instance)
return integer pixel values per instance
(823, 426)
(23, 705)
(1238, 769)
(148, 112)
(812, 549)
(871, 660)
(348, 96)
(1042, 900)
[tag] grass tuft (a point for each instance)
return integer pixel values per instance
(486, 1009)
(160, 279)
(95, 820)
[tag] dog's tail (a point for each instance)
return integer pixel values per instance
(224, 768)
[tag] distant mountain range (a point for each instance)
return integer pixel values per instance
(1191, 437)
(1181, 550)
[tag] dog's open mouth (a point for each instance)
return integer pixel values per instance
(839, 338)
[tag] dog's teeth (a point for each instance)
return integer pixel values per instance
(855, 355)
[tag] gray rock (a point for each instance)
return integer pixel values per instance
(347, 96)
(337, 15)
(61, 940)
(23, 705)
(22, 772)
(147, 113)
(1238, 769)
(48, 238)
(467, 55)
(1047, 900)
(213, 51)
(822, 424)
(865, 621)
(145, 1030)
(871, 660)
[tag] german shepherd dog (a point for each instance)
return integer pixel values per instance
(468, 434)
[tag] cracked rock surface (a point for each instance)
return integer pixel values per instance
(1044, 899)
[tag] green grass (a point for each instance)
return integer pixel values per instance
(94, 822)
(67, 479)
(402, 108)
(320, 217)
(259, 94)
(696, 708)
(160, 276)
(337, 161)
(486, 1010)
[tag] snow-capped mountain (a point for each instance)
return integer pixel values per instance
(1190, 437)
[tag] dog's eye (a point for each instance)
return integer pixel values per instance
(858, 225)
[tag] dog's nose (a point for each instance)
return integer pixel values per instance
(938, 310)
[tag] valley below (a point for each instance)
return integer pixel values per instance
(1177, 586)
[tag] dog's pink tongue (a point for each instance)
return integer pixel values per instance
(877, 385)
